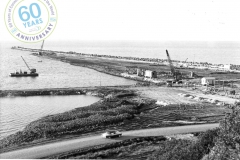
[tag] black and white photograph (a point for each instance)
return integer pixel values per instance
(120, 79)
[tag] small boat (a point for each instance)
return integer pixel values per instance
(33, 72)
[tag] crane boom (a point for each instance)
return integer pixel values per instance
(40, 52)
(170, 64)
(42, 45)
(176, 75)
(26, 64)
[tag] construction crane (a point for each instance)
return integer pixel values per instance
(183, 63)
(40, 53)
(176, 75)
(31, 70)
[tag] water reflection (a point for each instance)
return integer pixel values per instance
(17, 112)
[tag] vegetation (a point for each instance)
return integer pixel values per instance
(75, 122)
(120, 109)
(217, 144)
(227, 145)
(147, 148)
(186, 149)
(113, 150)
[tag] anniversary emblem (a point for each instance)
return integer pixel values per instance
(30, 20)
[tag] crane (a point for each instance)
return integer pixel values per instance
(185, 60)
(176, 75)
(40, 53)
(170, 63)
(31, 70)
(183, 63)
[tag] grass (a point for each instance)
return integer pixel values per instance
(123, 112)
(121, 109)
(114, 150)
(82, 120)
(156, 147)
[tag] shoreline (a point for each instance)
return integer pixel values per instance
(109, 65)
(142, 117)
(56, 91)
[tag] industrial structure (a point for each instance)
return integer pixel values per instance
(208, 81)
(175, 74)
(150, 74)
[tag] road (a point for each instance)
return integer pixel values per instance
(68, 145)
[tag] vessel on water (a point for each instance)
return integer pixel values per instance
(32, 73)
(23, 74)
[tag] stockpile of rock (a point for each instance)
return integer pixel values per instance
(202, 99)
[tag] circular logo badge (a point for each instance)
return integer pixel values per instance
(30, 20)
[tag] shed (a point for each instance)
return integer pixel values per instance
(208, 81)
(150, 74)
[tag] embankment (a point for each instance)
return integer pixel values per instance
(94, 91)
(120, 108)
(115, 107)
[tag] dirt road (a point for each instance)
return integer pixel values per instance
(171, 94)
(45, 150)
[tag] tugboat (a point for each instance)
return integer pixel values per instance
(33, 72)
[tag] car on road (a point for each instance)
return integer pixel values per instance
(112, 134)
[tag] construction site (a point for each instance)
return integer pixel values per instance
(158, 77)
(192, 84)
(163, 96)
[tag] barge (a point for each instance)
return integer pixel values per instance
(23, 74)
(33, 72)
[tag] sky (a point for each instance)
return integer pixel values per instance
(143, 20)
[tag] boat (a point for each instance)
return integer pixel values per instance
(32, 73)
(23, 74)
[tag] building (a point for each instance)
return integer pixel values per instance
(208, 81)
(231, 67)
(150, 74)
(140, 72)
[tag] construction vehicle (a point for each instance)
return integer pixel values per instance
(177, 77)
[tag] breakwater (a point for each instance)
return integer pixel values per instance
(93, 91)
(176, 63)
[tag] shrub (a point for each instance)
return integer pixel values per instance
(76, 121)
(228, 140)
